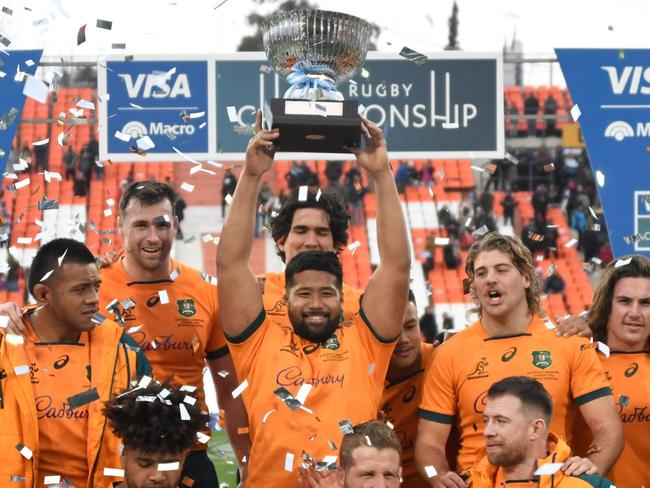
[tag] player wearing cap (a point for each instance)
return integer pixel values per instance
(345, 363)
(620, 318)
(403, 390)
(54, 379)
(158, 425)
(510, 337)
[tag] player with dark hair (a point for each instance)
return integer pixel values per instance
(403, 390)
(518, 442)
(620, 318)
(55, 378)
(158, 424)
(341, 357)
(511, 337)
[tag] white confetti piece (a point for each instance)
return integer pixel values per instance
(144, 381)
(302, 193)
(4, 321)
(164, 298)
(239, 390)
(36, 89)
(223, 373)
(354, 246)
(47, 275)
(441, 241)
(22, 184)
(288, 462)
(232, 115)
(174, 274)
(110, 202)
(52, 175)
(318, 195)
(371, 368)
(207, 238)
(202, 125)
(196, 115)
(548, 469)
(108, 212)
(54, 479)
(185, 415)
(24, 240)
(571, 243)
(42, 142)
(361, 108)
(22, 369)
(145, 143)
(268, 116)
(189, 400)
(188, 388)
(202, 438)
(604, 348)
(478, 168)
(187, 187)
(86, 104)
(134, 329)
(600, 178)
(175, 466)
(304, 390)
(267, 415)
(365, 73)
(228, 199)
(593, 214)
(622, 262)
(330, 459)
(114, 472)
(431, 471)
(122, 137)
(25, 451)
(480, 231)
(575, 112)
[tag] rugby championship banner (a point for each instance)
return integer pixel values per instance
(612, 90)
(450, 106)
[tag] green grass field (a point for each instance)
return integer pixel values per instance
(222, 456)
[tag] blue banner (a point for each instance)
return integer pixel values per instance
(431, 110)
(612, 89)
(12, 98)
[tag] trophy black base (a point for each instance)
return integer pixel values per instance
(322, 126)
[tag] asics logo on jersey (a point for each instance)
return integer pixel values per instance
(509, 354)
(479, 370)
(631, 370)
(61, 362)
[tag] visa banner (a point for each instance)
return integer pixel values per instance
(612, 89)
(17, 68)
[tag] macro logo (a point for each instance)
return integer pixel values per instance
(619, 130)
(641, 237)
(135, 129)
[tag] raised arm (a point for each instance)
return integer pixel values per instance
(386, 295)
(240, 298)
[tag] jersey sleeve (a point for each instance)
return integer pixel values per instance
(378, 350)
(245, 346)
(588, 380)
(439, 397)
(216, 346)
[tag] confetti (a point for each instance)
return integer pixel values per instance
(622, 262)
(164, 297)
(511, 158)
(345, 426)
(223, 373)
(145, 143)
(202, 438)
(175, 466)
(232, 115)
(135, 105)
(478, 168)
(600, 178)
(97, 318)
(365, 73)
(441, 241)
(84, 398)
(431, 471)
(575, 112)
(623, 401)
(189, 400)
(24, 240)
(239, 390)
(134, 329)
(174, 274)
(266, 416)
(4, 321)
(36, 89)
(228, 199)
(122, 137)
(354, 246)
(42, 142)
(185, 415)
(22, 369)
(288, 462)
(47, 275)
(187, 187)
(86, 104)
(114, 472)
(411, 55)
(4, 41)
(548, 469)
(593, 214)
(571, 243)
(25, 451)
(7, 10)
(304, 390)
(318, 195)
(14, 339)
(549, 167)
(361, 108)
(302, 193)
(52, 480)
(144, 381)
(104, 24)
(480, 231)
(268, 116)
(371, 368)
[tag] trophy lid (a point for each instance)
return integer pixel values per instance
(326, 43)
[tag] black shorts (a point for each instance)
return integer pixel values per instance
(200, 469)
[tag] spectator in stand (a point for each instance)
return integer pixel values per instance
(428, 325)
(531, 107)
(509, 204)
(80, 187)
(26, 155)
(490, 222)
(451, 253)
(486, 201)
(579, 222)
(86, 163)
(447, 321)
(355, 192)
(41, 154)
(449, 222)
(540, 200)
(179, 210)
(333, 173)
(513, 111)
(414, 174)
(551, 235)
(605, 253)
(264, 201)
(429, 255)
(554, 284)
(550, 109)
(14, 273)
(70, 162)
(590, 239)
(427, 174)
(402, 176)
(227, 188)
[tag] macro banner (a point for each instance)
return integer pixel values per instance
(447, 106)
(611, 88)
(17, 80)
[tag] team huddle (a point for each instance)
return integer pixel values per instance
(319, 384)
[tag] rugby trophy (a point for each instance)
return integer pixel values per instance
(315, 50)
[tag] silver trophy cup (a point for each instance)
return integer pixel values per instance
(315, 50)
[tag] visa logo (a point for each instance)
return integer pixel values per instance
(629, 79)
(156, 85)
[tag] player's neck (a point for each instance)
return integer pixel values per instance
(525, 470)
(138, 273)
(516, 322)
(49, 329)
(616, 344)
(396, 374)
